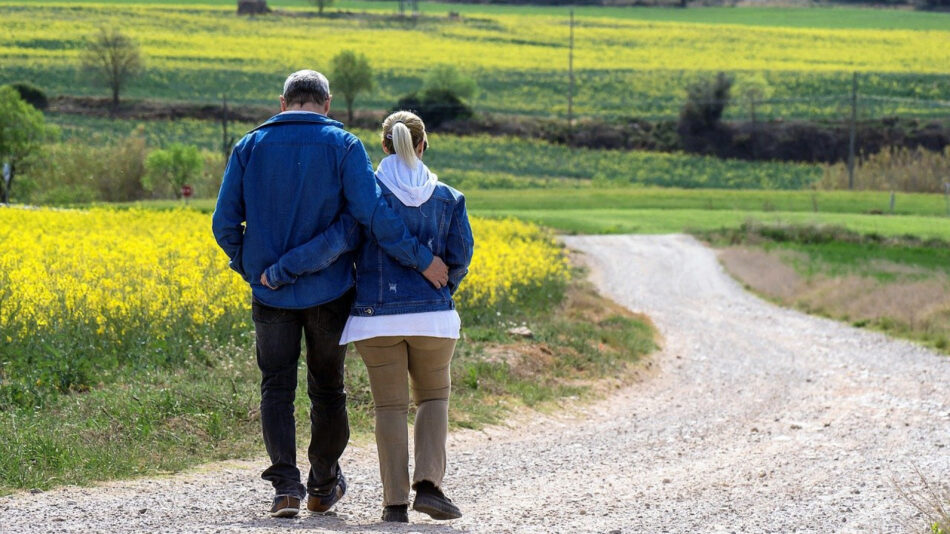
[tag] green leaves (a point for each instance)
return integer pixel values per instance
(350, 75)
(175, 166)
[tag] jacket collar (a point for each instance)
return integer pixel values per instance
(298, 117)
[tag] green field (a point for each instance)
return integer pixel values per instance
(662, 210)
(502, 162)
(628, 62)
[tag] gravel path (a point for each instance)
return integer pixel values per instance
(759, 419)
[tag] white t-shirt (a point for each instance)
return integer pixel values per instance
(444, 323)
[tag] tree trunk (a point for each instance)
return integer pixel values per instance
(7, 186)
(115, 98)
(349, 112)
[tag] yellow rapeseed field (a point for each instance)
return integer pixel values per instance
(128, 273)
(623, 66)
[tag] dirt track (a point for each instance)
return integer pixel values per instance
(760, 419)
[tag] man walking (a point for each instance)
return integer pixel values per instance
(288, 185)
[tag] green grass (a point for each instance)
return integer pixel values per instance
(893, 284)
(652, 221)
(159, 420)
(657, 198)
(658, 210)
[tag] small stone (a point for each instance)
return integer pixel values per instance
(35, 491)
(143, 510)
(583, 512)
(796, 426)
(522, 331)
(667, 481)
(755, 429)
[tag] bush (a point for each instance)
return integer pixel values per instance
(700, 123)
(435, 107)
(91, 169)
(897, 169)
(31, 94)
(168, 170)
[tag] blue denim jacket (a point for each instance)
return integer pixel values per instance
(384, 287)
(300, 183)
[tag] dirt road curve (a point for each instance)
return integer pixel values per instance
(760, 419)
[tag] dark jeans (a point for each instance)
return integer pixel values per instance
(278, 350)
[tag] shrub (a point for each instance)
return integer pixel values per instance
(91, 169)
(23, 132)
(897, 169)
(700, 123)
(168, 170)
(31, 94)
(435, 107)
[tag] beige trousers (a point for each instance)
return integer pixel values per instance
(391, 362)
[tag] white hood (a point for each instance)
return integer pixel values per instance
(411, 186)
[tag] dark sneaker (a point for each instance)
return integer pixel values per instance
(430, 500)
(396, 513)
(285, 506)
(322, 502)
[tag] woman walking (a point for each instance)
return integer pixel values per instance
(405, 328)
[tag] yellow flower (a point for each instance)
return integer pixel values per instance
(160, 272)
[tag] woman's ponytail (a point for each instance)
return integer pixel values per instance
(402, 132)
(402, 142)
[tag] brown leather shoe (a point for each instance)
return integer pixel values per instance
(322, 503)
(285, 506)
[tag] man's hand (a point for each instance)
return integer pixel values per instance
(437, 273)
(265, 284)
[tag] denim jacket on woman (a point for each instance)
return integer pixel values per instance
(385, 287)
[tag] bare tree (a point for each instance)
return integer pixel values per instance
(113, 59)
(351, 75)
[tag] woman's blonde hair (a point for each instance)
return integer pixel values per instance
(402, 133)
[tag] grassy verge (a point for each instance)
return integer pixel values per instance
(162, 420)
(586, 209)
(897, 285)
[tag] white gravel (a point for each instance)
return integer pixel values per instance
(759, 419)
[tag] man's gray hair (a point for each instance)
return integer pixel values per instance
(306, 86)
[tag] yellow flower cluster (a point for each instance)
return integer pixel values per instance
(113, 271)
(146, 272)
(199, 37)
(511, 256)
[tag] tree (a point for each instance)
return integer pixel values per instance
(23, 131)
(175, 166)
(435, 107)
(753, 89)
(351, 75)
(32, 94)
(113, 59)
(446, 78)
(321, 4)
(700, 123)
